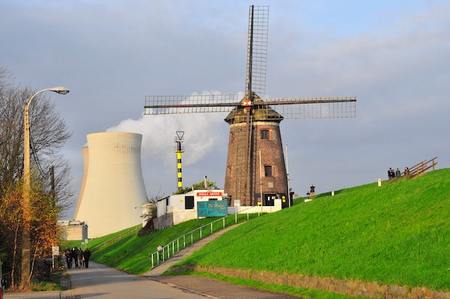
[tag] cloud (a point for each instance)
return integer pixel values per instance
(395, 61)
(158, 132)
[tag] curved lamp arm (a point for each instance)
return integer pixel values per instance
(57, 89)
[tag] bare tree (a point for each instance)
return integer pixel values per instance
(48, 134)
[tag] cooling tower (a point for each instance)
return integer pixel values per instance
(112, 190)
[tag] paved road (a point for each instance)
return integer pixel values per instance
(219, 289)
(103, 282)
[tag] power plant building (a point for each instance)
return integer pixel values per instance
(112, 190)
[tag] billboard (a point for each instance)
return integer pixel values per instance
(212, 208)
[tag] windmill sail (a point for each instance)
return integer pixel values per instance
(289, 108)
(196, 103)
(258, 33)
(254, 121)
(314, 107)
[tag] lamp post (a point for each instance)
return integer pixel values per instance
(26, 243)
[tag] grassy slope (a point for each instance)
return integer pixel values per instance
(396, 234)
(126, 251)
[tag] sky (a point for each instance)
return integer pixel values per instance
(394, 56)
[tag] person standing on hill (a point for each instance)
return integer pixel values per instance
(312, 190)
(391, 173)
(406, 173)
(398, 173)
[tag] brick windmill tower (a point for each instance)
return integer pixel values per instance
(255, 171)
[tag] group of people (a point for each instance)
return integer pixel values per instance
(392, 174)
(77, 258)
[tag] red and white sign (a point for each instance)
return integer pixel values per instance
(209, 193)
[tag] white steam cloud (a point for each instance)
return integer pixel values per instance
(201, 134)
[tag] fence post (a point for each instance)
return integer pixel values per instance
(192, 238)
(235, 218)
(200, 232)
(223, 222)
(157, 257)
(173, 248)
(211, 228)
(247, 216)
(153, 264)
(163, 254)
(184, 241)
(178, 244)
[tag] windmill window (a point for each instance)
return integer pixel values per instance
(264, 134)
(268, 170)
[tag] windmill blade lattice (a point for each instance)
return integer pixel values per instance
(314, 108)
(202, 103)
(258, 35)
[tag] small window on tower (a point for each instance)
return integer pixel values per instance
(267, 170)
(264, 134)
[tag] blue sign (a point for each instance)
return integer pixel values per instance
(212, 208)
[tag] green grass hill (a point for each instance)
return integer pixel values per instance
(395, 234)
(126, 251)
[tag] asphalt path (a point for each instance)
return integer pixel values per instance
(103, 282)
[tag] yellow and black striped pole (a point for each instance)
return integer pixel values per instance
(179, 152)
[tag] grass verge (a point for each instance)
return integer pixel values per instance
(397, 234)
(294, 291)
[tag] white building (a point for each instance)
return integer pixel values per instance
(73, 230)
(178, 208)
(112, 190)
(175, 209)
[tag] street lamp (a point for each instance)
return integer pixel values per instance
(26, 243)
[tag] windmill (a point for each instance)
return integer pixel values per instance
(255, 170)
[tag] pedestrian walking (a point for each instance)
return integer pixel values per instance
(67, 254)
(80, 258)
(86, 256)
(75, 256)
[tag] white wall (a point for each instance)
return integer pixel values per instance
(256, 209)
(177, 204)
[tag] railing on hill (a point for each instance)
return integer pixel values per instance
(170, 249)
(421, 167)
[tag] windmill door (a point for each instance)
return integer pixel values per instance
(269, 199)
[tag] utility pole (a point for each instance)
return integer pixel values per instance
(52, 184)
(26, 242)
(287, 177)
(260, 179)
